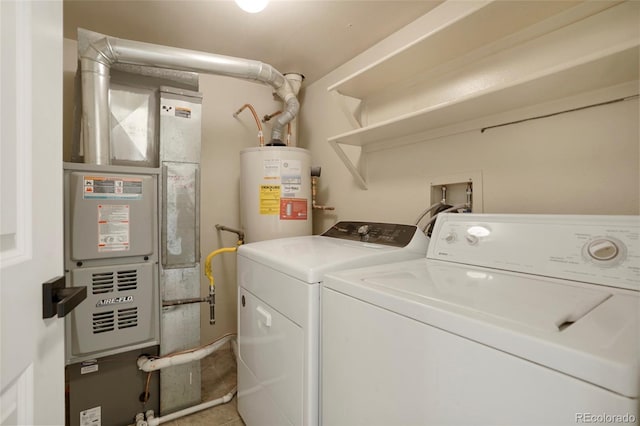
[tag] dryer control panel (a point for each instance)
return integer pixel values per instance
(391, 234)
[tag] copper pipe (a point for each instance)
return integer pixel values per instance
(288, 133)
(314, 190)
(255, 117)
(270, 116)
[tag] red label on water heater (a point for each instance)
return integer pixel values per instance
(293, 209)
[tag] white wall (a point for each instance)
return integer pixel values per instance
(223, 136)
(583, 162)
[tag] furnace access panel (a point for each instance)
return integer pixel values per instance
(111, 214)
(111, 223)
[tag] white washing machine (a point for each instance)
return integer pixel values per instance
(279, 306)
(510, 320)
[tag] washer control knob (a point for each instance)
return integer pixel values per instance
(451, 237)
(471, 239)
(602, 249)
(363, 230)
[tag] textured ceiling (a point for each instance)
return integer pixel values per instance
(308, 37)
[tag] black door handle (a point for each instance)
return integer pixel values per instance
(58, 299)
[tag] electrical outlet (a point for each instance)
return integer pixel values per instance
(456, 189)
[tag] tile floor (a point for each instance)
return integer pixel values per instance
(218, 378)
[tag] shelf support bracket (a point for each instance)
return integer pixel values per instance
(355, 171)
(351, 108)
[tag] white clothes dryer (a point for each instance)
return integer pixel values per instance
(510, 320)
(279, 307)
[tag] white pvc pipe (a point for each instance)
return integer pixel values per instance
(154, 421)
(149, 364)
(146, 364)
(140, 421)
(295, 80)
(98, 57)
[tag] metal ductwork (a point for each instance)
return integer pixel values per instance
(98, 54)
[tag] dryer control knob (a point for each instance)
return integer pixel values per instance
(602, 249)
(451, 237)
(363, 230)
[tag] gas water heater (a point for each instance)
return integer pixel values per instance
(275, 192)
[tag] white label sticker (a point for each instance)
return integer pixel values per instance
(113, 227)
(89, 369)
(91, 417)
(175, 108)
(112, 188)
(271, 168)
(291, 178)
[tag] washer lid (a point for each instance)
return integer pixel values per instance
(582, 330)
(308, 258)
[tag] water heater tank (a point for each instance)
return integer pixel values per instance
(275, 192)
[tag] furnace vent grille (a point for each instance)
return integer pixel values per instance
(103, 322)
(102, 282)
(127, 317)
(127, 280)
(106, 321)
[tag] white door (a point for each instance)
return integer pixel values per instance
(31, 241)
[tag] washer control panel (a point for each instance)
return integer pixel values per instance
(390, 234)
(596, 249)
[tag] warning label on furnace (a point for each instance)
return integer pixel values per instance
(112, 188)
(293, 209)
(269, 199)
(113, 228)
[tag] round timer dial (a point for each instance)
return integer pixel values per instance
(605, 251)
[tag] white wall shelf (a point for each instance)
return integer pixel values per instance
(577, 50)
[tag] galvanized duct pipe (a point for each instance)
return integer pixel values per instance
(100, 54)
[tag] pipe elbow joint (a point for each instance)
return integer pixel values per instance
(142, 363)
(291, 110)
(267, 74)
(100, 51)
(285, 92)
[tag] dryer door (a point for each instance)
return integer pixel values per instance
(270, 372)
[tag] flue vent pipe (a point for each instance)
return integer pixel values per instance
(295, 80)
(98, 54)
